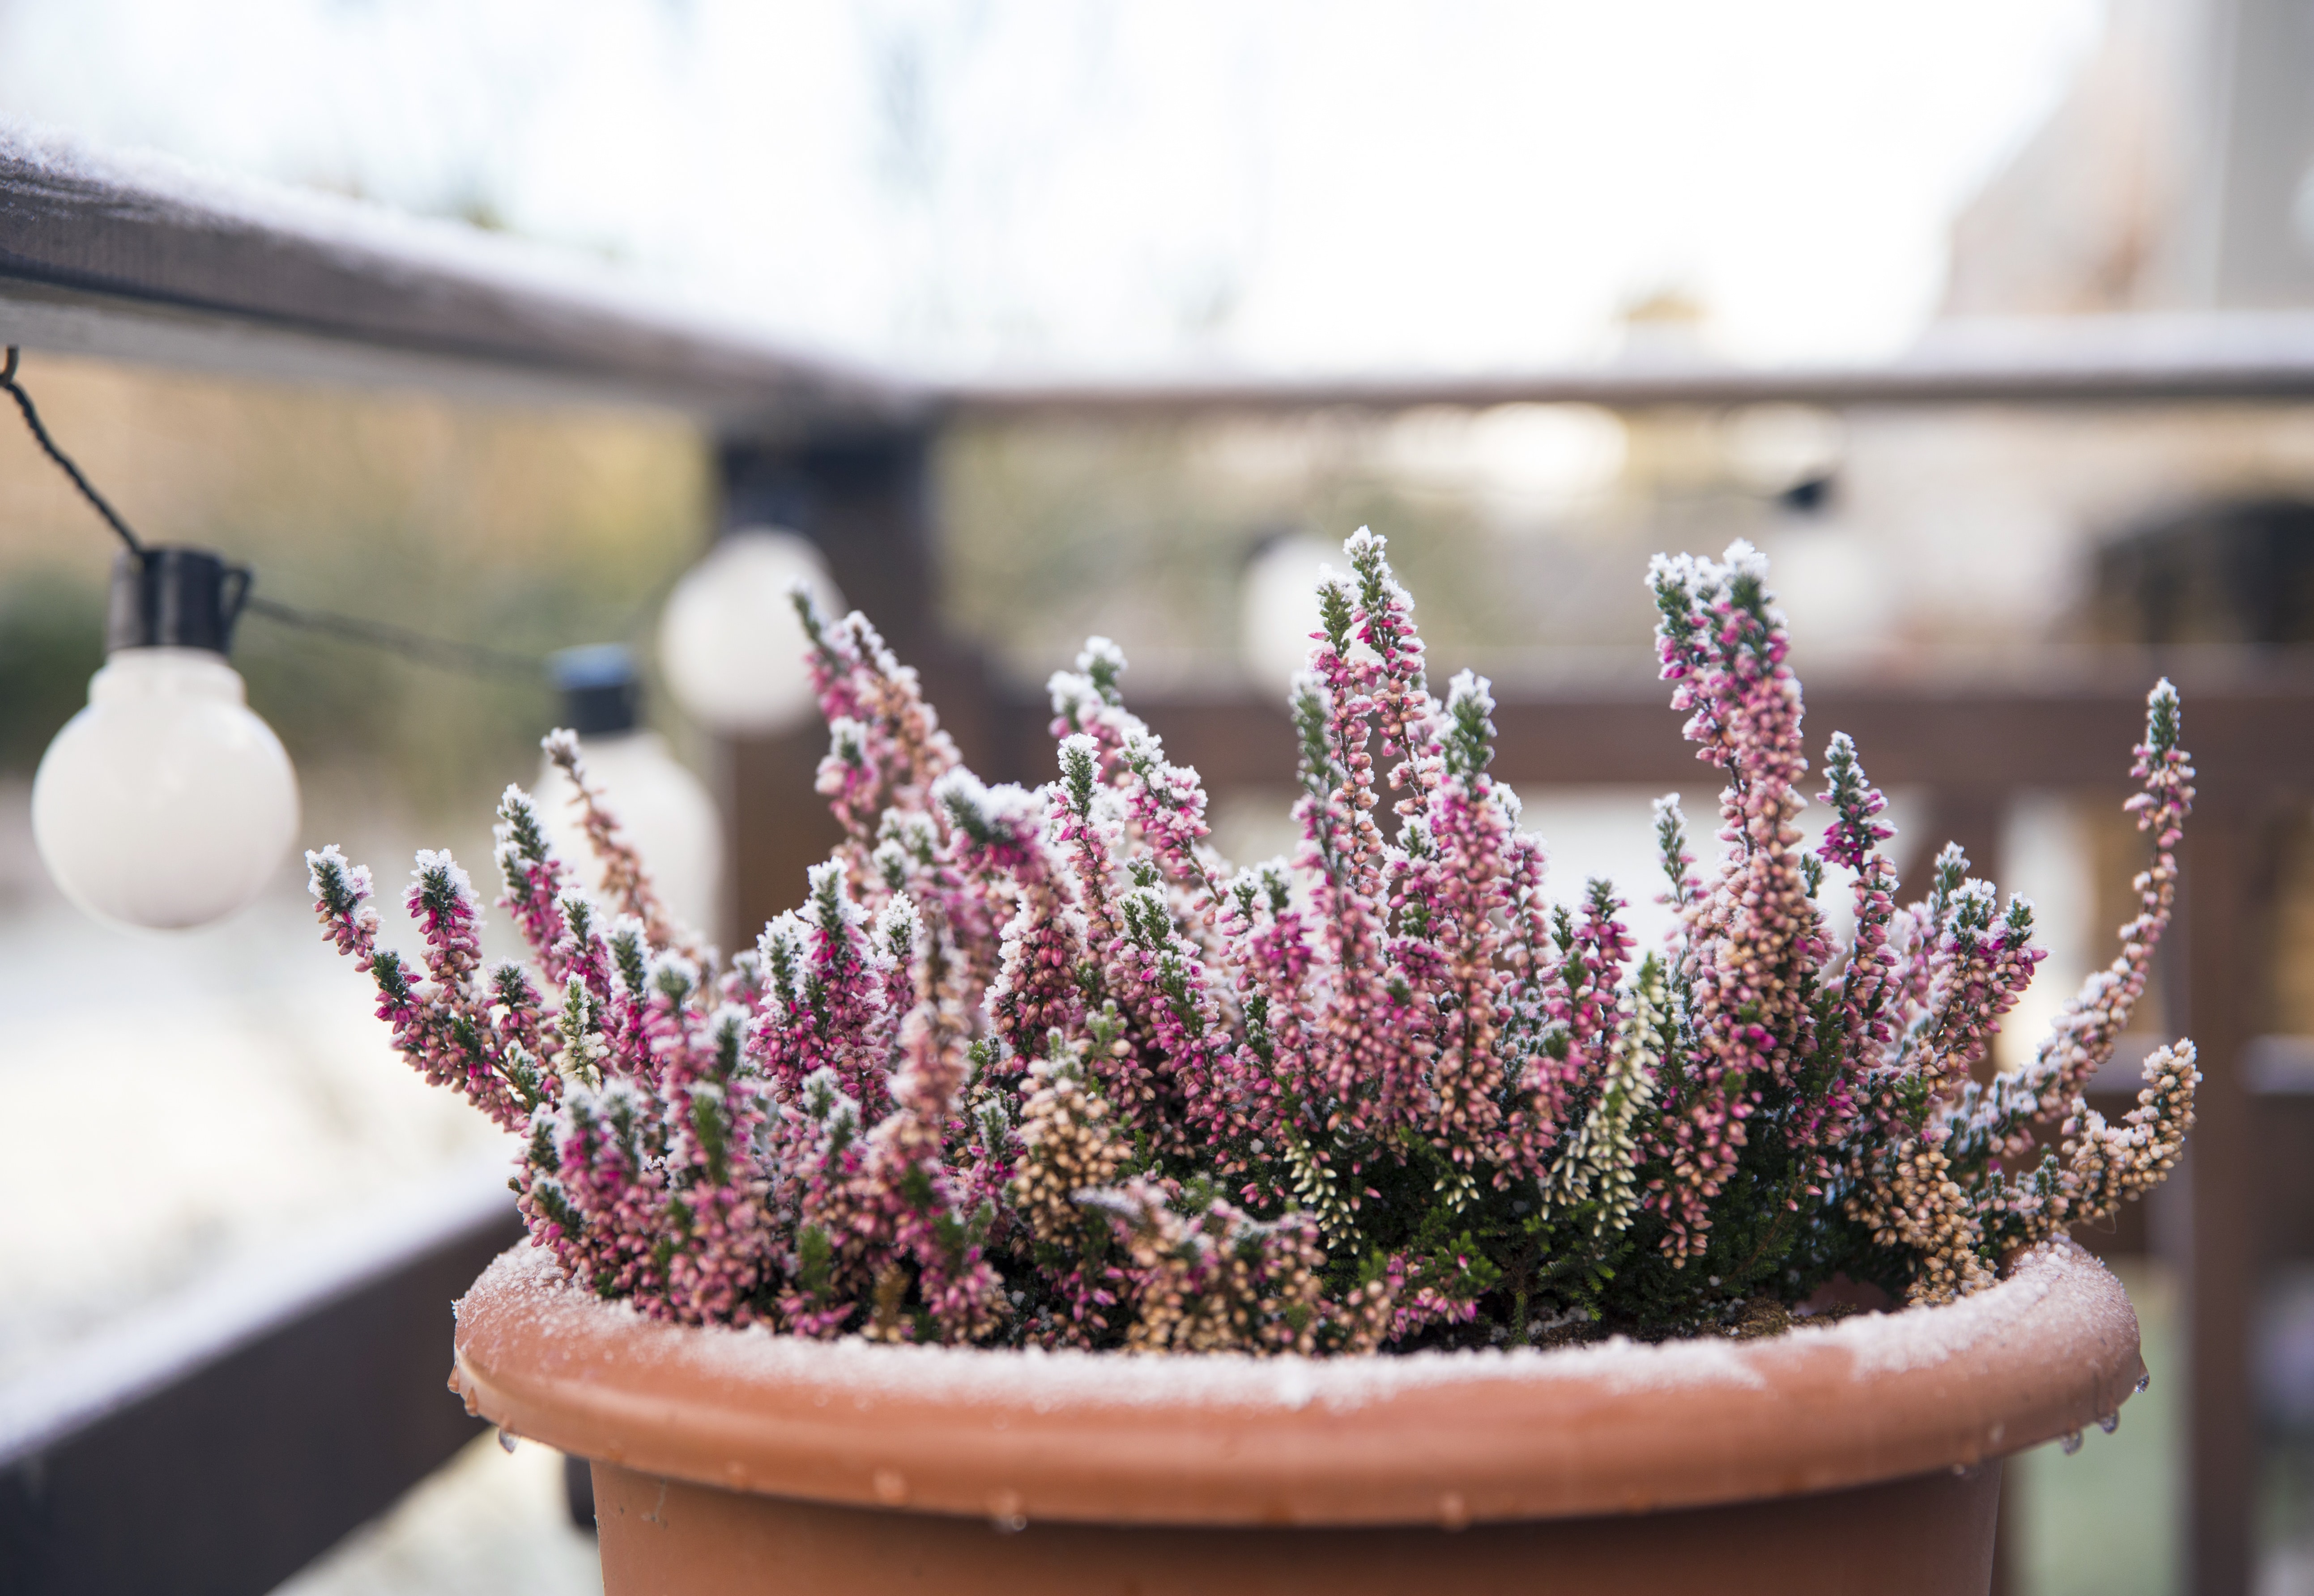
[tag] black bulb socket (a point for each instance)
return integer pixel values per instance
(602, 692)
(168, 597)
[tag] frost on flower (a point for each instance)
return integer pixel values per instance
(1039, 1067)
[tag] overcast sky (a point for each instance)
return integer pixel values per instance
(1295, 183)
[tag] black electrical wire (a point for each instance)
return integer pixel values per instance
(442, 653)
(40, 436)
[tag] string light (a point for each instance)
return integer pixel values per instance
(168, 803)
(672, 820)
(729, 641)
(1277, 606)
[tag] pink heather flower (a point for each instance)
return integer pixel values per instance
(2082, 1039)
(1087, 703)
(1037, 1068)
(626, 880)
(442, 1025)
(1868, 984)
(1456, 882)
(1535, 1044)
(1752, 944)
(1403, 710)
(829, 1007)
(887, 747)
(535, 883)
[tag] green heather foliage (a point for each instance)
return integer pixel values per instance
(1039, 1068)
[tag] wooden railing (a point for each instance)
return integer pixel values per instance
(226, 1446)
(215, 1445)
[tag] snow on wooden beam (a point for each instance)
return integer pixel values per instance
(150, 261)
(2041, 360)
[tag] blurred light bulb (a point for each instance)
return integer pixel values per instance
(1557, 455)
(1555, 458)
(1277, 606)
(667, 813)
(1834, 587)
(1776, 448)
(729, 641)
(165, 803)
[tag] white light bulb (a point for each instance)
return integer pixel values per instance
(1278, 606)
(1553, 458)
(165, 803)
(1777, 447)
(1556, 457)
(1834, 587)
(729, 641)
(666, 812)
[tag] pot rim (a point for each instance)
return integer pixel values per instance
(1424, 1438)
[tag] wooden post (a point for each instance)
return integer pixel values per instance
(863, 497)
(1971, 816)
(2224, 980)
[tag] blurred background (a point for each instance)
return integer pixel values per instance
(1049, 198)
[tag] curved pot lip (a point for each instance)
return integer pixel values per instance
(1448, 1438)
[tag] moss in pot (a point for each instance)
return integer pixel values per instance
(1033, 1081)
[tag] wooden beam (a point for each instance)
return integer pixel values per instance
(162, 263)
(2221, 908)
(2249, 737)
(2125, 360)
(215, 1445)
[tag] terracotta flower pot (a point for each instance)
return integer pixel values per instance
(1859, 1456)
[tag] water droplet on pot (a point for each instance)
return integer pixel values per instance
(1453, 1513)
(2072, 1442)
(2111, 1422)
(1004, 1513)
(2144, 1381)
(891, 1486)
(507, 1438)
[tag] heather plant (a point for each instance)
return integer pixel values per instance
(1038, 1068)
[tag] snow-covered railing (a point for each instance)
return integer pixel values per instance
(149, 260)
(2040, 360)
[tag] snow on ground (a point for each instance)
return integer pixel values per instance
(488, 1523)
(172, 1103)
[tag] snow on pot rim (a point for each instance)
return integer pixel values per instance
(1426, 1438)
